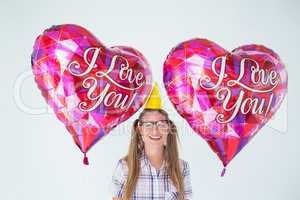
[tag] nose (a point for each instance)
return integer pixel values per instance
(155, 129)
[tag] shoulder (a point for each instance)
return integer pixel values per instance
(184, 166)
(121, 167)
(122, 162)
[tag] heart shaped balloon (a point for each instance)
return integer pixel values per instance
(91, 88)
(226, 97)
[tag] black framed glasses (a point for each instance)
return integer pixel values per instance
(161, 124)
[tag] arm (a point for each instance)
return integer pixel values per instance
(118, 181)
(188, 193)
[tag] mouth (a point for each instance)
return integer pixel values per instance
(155, 138)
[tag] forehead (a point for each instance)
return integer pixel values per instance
(153, 116)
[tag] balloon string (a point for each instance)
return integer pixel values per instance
(223, 171)
(85, 159)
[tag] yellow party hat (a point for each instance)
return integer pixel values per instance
(154, 101)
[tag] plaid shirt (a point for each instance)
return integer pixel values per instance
(152, 184)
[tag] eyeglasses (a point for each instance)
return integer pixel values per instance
(161, 124)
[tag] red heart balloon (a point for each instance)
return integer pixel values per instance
(91, 88)
(226, 97)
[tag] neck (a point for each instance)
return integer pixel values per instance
(155, 156)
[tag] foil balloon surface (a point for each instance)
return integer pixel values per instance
(225, 96)
(90, 87)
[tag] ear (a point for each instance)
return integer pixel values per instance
(138, 129)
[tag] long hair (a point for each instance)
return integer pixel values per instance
(171, 157)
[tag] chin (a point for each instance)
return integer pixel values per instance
(157, 144)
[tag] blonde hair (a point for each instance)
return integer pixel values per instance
(171, 156)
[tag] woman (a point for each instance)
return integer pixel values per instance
(152, 169)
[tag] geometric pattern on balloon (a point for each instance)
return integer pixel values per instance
(225, 96)
(90, 87)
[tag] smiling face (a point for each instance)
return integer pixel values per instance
(154, 136)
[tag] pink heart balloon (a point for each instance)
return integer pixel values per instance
(226, 97)
(91, 88)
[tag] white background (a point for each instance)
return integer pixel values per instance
(38, 157)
